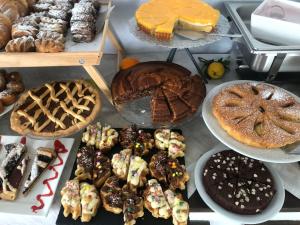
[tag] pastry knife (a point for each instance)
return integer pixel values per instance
(197, 35)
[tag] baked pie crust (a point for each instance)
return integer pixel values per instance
(56, 109)
(258, 114)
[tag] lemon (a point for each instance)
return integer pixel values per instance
(215, 70)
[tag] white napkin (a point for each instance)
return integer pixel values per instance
(290, 175)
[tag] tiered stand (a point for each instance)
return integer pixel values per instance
(86, 55)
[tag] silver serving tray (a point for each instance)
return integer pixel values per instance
(258, 55)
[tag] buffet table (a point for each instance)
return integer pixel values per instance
(199, 139)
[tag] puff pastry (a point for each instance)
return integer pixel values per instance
(22, 44)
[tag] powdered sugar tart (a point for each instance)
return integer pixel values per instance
(56, 109)
(258, 114)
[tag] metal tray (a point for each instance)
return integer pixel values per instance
(260, 56)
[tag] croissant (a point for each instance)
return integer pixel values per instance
(50, 42)
(5, 29)
(22, 44)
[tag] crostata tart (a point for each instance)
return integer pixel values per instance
(56, 109)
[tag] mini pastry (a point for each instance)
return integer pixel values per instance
(8, 97)
(92, 135)
(15, 86)
(133, 206)
(155, 200)
(180, 208)
(83, 31)
(84, 8)
(22, 44)
(49, 42)
(42, 160)
(21, 29)
(103, 138)
(58, 13)
(90, 201)
(101, 170)
(120, 163)
(85, 157)
(143, 143)
(12, 170)
(109, 138)
(128, 136)
(157, 166)
(176, 174)
(111, 195)
(70, 199)
(176, 146)
(137, 172)
(162, 137)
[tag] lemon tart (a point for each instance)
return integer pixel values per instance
(159, 17)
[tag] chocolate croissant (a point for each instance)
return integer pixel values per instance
(22, 44)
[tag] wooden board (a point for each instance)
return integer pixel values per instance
(75, 54)
(106, 218)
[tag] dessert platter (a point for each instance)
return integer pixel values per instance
(156, 22)
(157, 93)
(30, 171)
(11, 85)
(56, 109)
(238, 187)
(255, 119)
(127, 176)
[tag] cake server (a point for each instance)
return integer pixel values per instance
(197, 35)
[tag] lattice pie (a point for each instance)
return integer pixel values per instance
(56, 109)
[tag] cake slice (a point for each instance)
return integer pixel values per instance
(42, 160)
(179, 109)
(160, 110)
(9, 188)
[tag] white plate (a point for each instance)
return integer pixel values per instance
(7, 109)
(23, 204)
(272, 209)
(276, 155)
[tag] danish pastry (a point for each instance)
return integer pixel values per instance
(71, 199)
(111, 195)
(49, 42)
(180, 208)
(90, 201)
(22, 44)
(133, 206)
(137, 172)
(102, 169)
(155, 200)
(120, 163)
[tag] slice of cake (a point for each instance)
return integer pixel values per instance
(42, 160)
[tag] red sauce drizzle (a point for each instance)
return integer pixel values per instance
(23, 140)
(59, 148)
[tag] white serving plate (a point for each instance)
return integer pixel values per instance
(276, 155)
(7, 109)
(272, 209)
(22, 205)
